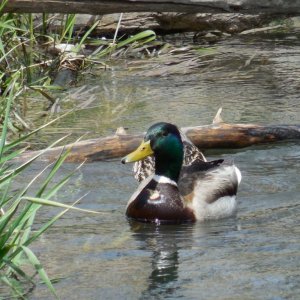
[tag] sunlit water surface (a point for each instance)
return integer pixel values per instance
(255, 255)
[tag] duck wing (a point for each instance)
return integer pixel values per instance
(209, 181)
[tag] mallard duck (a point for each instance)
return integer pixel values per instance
(180, 192)
(145, 167)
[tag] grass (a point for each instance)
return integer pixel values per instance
(31, 52)
(26, 65)
(19, 209)
(18, 214)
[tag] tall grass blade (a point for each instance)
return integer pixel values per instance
(19, 271)
(5, 197)
(5, 219)
(44, 23)
(37, 265)
(68, 28)
(78, 47)
(21, 168)
(2, 5)
(142, 37)
(11, 156)
(5, 280)
(58, 204)
(39, 232)
(137, 37)
(54, 170)
(6, 119)
(25, 137)
(18, 221)
(34, 208)
(54, 189)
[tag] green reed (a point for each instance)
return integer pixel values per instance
(19, 208)
(26, 65)
(26, 51)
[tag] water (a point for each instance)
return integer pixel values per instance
(254, 255)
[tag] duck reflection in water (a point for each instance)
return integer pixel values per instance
(164, 242)
(173, 247)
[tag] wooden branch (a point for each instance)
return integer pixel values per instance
(184, 6)
(205, 137)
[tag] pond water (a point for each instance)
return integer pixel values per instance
(255, 255)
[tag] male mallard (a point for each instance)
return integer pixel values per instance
(177, 193)
(145, 167)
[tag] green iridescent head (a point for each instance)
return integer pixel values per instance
(162, 140)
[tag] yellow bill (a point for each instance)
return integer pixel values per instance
(141, 152)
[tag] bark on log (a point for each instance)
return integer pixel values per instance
(163, 23)
(96, 7)
(205, 137)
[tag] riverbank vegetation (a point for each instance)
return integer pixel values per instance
(39, 59)
(30, 59)
(35, 59)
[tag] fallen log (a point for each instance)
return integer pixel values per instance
(96, 7)
(213, 136)
(161, 23)
(230, 23)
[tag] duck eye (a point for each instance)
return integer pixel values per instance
(164, 133)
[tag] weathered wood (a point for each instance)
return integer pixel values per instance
(205, 137)
(165, 22)
(96, 7)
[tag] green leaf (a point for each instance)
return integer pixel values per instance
(19, 169)
(7, 281)
(19, 271)
(78, 47)
(68, 29)
(11, 156)
(6, 120)
(25, 137)
(37, 265)
(58, 204)
(2, 5)
(139, 36)
(60, 184)
(142, 37)
(18, 222)
(6, 218)
(41, 231)
(5, 197)
(55, 168)
(3, 252)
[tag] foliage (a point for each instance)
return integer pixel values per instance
(18, 208)
(32, 53)
(27, 63)
(18, 214)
